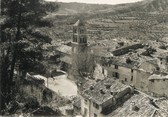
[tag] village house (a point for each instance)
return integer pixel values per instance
(131, 72)
(163, 62)
(100, 99)
(158, 85)
(104, 99)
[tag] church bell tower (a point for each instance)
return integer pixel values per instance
(79, 40)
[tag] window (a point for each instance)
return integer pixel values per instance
(74, 38)
(95, 105)
(125, 79)
(95, 115)
(81, 39)
(116, 66)
(115, 74)
(131, 78)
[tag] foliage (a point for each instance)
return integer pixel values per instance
(83, 65)
(21, 41)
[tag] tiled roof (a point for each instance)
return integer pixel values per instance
(158, 77)
(163, 55)
(101, 53)
(77, 103)
(146, 109)
(122, 62)
(99, 93)
(65, 49)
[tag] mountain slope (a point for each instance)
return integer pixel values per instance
(157, 5)
(143, 6)
(150, 6)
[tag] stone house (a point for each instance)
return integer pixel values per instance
(132, 73)
(104, 99)
(158, 85)
(163, 62)
(121, 70)
(100, 99)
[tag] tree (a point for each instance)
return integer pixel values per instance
(20, 41)
(83, 65)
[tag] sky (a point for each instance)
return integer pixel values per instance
(99, 1)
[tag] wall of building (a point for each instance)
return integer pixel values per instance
(158, 87)
(163, 64)
(141, 80)
(126, 75)
(107, 107)
(91, 110)
(148, 67)
(136, 77)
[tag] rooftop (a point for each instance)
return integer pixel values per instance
(102, 53)
(121, 61)
(145, 108)
(79, 23)
(158, 77)
(99, 93)
(65, 49)
(163, 55)
(77, 103)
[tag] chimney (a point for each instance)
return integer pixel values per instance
(132, 105)
(102, 92)
(107, 86)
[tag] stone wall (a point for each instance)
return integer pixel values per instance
(87, 104)
(141, 80)
(126, 75)
(137, 78)
(32, 88)
(37, 91)
(158, 87)
(163, 64)
(148, 67)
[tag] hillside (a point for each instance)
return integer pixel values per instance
(143, 6)
(148, 6)
(111, 21)
(156, 5)
(79, 8)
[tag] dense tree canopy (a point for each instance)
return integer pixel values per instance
(21, 42)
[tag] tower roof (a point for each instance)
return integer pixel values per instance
(79, 23)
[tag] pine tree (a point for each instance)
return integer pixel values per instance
(20, 41)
